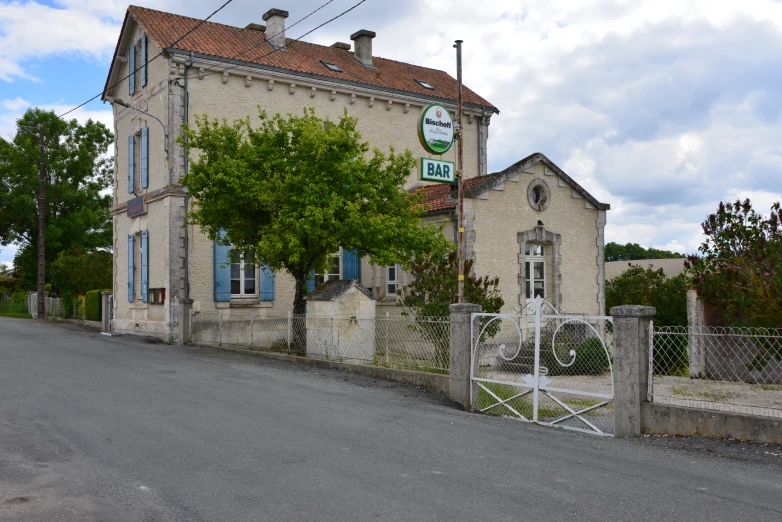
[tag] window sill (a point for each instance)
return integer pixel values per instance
(244, 303)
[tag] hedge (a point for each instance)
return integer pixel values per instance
(92, 305)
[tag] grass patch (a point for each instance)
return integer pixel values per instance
(523, 405)
(718, 396)
(13, 309)
(770, 387)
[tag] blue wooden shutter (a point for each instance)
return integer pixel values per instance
(132, 71)
(144, 60)
(131, 267)
(131, 163)
(311, 282)
(267, 284)
(144, 266)
(144, 157)
(222, 271)
(351, 265)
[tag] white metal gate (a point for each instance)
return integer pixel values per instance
(545, 367)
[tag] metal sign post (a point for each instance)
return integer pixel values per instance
(460, 172)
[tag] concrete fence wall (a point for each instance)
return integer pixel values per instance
(54, 306)
(636, 416)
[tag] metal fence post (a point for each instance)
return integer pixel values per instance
(290, 325)
(386, 340)
(251, 327)
(220, 340)
(536, 389)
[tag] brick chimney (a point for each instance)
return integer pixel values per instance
(275, 27)
(363, 46)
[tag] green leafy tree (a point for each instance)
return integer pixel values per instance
(649, 287)
(634, 251)
(668, 295)
(435, 287)
(293, 190)
(77, 172)
(77, 271)
(738, 270)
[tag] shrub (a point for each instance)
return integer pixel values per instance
(590, 357)
(9, 284)
(92, 305)
(649, 287)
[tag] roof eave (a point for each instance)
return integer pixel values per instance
(173, 50)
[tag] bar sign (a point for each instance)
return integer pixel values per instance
(437, 170)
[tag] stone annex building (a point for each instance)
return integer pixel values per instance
(530, 224)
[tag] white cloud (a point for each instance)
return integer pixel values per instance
(32, 30)
(15, 104)
(661, 108)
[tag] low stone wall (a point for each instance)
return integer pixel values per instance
(673, 420)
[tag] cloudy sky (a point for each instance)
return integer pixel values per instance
(661, 108)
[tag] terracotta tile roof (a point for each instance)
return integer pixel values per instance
(436, 197)
(442, 196)
(247, 45)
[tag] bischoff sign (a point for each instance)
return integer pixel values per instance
(435, 129)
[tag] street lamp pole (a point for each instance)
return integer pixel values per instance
(120, 101)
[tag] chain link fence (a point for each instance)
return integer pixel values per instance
(737, 370)
(392, 342)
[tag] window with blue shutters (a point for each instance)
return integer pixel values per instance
(131, 163)
(144, 157)
(311, 282)
(132, 70)
(131, 267)
(144, 265)
(267, 284)
(144, 60)
(222, 271)
(351, 265)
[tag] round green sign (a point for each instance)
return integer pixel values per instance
(435, 129)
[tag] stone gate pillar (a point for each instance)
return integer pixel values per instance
(631, 366)
(460, 352)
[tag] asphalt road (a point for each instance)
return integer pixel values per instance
(115, 429)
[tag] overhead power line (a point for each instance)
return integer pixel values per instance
(343, 13)
(201, 22)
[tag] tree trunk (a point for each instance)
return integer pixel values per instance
(299, 309)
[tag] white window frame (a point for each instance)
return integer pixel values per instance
(392, 281)
(529, 260)
(325, 277)
(242, 280)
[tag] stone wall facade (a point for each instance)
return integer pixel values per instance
(386, 119)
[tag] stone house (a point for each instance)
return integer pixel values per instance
(229, 72)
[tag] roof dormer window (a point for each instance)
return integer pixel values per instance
(425, 85)
(331, 66)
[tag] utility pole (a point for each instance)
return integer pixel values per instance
(41, 243)
(460, 173)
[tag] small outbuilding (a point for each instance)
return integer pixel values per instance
(341, 322)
